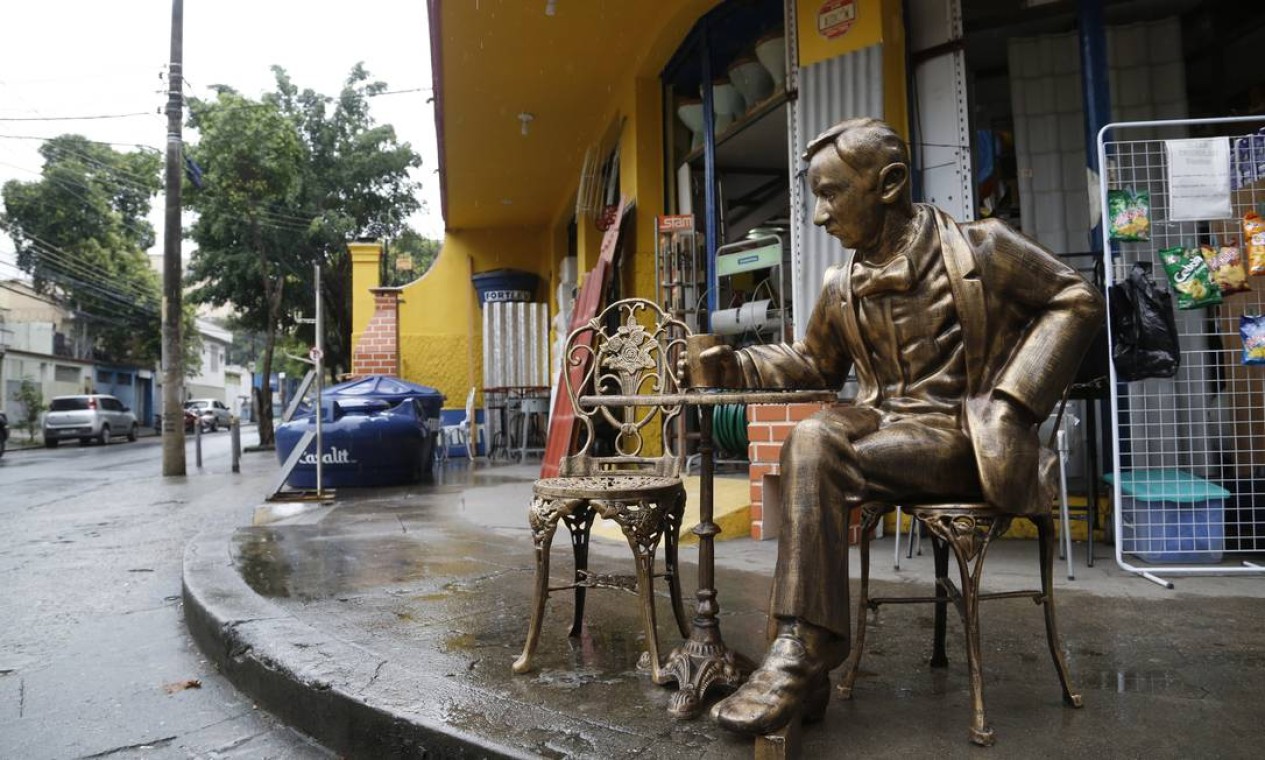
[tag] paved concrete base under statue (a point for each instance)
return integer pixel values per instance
(385, 626)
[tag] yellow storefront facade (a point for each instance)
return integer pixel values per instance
(522, 97)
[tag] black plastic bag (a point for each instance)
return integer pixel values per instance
(1143, 330)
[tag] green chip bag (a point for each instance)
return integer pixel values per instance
(1129, 214)
(1190, 277)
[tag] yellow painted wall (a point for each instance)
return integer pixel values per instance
(440, 320)
(895, 92)
(642, 178)
(866, 30)
(877, 22)
(365, 276)
(440, 323)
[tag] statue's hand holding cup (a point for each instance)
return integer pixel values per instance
(708, 363)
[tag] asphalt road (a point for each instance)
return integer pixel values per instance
(95, 661)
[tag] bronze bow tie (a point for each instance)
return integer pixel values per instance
(896, 276)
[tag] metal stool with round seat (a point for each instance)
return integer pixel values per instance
(628, 350)
(966, 528)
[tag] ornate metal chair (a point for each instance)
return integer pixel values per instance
(626, 354)
(967, 529)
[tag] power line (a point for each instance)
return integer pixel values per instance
(109, 297)
(93, 142)
(67, 260)
(77, 118)
(133, 290)
(135, 181)
(63, 278)
(66, 184)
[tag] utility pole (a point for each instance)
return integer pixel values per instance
(173, 272)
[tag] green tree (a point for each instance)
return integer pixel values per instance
(249, 254)
(287, 181)
(355, 183)
(419, 253)
(81, 232)
(31, 397)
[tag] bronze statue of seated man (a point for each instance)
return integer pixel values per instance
(962, 337)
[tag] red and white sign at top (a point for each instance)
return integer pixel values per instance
(677, 223)
(835, 18)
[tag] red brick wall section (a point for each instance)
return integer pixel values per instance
(378, 350)
(768, 426)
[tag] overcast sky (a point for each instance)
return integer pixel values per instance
(101, 57)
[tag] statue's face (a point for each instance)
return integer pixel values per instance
(849, 204)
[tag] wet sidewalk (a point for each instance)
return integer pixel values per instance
(385, 626)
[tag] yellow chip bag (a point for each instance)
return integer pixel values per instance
(1254, 241)
(1226, 265)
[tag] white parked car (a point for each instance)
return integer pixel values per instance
(212, 412)
(89, 417)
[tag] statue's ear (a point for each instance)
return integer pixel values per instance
(892, 181)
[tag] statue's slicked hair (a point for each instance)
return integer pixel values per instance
(862, 143)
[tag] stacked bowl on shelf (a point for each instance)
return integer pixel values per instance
(751, 80)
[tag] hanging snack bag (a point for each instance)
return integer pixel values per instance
(1252, 330)
(1254, 242)
(1226, 263)
(1130, 214)
(1190, 277)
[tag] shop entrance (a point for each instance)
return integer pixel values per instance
(1165, 59)
(727, 155)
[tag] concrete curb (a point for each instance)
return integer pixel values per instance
(340, 694)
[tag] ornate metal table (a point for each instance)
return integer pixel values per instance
(704, 660)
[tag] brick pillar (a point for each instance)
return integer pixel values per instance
(378, 350)
(768, 426)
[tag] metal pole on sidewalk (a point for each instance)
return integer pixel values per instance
(236, 432)
(320, 372)
(197, 440)
(173, 272)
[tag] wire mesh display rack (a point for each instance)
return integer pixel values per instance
(1188, 470)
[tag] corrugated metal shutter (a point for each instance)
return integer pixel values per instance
(830, 91)
(515, 345)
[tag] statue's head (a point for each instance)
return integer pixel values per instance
(858, 170)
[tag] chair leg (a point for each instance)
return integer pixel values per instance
(869, 518)
(543, 516)
(580, 526)
(940, 550)
(1045, 534)
(643, 552)
(671, 538)
(969, 537)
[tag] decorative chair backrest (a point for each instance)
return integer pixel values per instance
(631, 348)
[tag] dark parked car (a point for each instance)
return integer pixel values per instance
(4, 432)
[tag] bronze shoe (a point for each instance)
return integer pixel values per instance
(788, 683)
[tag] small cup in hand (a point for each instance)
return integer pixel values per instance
(698, 374)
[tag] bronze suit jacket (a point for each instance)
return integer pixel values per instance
(1027, 320)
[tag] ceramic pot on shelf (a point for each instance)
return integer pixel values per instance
(726, 100)
(753, 81)
(771, 51)
(690, 113)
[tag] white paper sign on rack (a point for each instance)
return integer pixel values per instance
(1198, 179)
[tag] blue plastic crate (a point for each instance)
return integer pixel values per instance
(1171, 516)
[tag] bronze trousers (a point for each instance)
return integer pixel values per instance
(836, 460)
